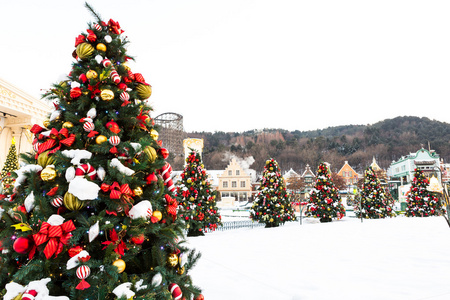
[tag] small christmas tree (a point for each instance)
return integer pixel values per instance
(197, 198)
(420, 201)
(374, 203)
(11, 165)
(93, 215)
(272, 205)
(324, 201)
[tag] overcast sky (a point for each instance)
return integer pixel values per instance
(237, 65)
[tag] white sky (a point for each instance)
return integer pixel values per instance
(237, 65)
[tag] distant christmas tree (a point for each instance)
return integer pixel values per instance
(420, 201)
(94, 215)
(324, 201)
(197, 198)
(272, 205)
(11, 165)
(374, 203)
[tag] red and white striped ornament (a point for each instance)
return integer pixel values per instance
(106, 63)
(57, 201)
(124, 96)
(166, 172)
(114, 140)
(82, 273)
(175, 291)
(86, 169)
(29, 295)
(97, 27)
(88, 126)
(115, 76)
(36, 146)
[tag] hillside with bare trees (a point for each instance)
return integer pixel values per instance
(387, 140)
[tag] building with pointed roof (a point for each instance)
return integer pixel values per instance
(348, 174)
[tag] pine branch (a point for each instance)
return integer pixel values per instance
(93, 12)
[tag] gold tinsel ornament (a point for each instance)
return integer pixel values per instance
(144, 91)
(151, 153)
(154, 134)
(172, 259)
(107, 95)
(71, 202)
(84, 50)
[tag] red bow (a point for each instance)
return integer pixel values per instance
(62, 136)
(114, 27)
(57, 236)
(171, 206)
(79, 39)
(120, 245)
(117, 191)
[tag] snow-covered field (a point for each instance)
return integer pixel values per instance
(399, 258)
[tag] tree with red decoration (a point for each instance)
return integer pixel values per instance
(374, 203)
(11, 165)
(197, 198)
(272, 205)
(324, 201)
(94, 215)
(420, 201)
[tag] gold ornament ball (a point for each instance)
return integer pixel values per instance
(180, 271)
(67, 125)
(120, 264)
(172, 259)
(151, 153)
(91, 74)
(138, 191)
(49, 173)
(101, 139)
(106, 95)
(157, 214)
(84, 50)
(101, 47)
(71, 202)
(144, 91)
(46, 123)
(154, 134)
(44, 160)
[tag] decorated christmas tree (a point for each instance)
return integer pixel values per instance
(197, 198)
(272, 205)
(94, 215)
(324, 201)
(420, 201)
(11, 165)
(374, 203)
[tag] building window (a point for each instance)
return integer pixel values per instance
(349, 173)
(230, 173)
(234, 184)
(238, 172)
(242, 184)
(225, 184)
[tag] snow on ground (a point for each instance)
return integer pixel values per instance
(398, 258)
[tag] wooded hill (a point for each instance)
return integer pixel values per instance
(387, 140)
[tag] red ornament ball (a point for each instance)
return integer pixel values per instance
(138, 240)
(199, 297)
(22, 245)
(175, 291)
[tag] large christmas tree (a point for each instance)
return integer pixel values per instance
(272, 205)
(11, 165)
(324, 201)
(420, 201)
(93, 215)
(374, 203)
(197, 198)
